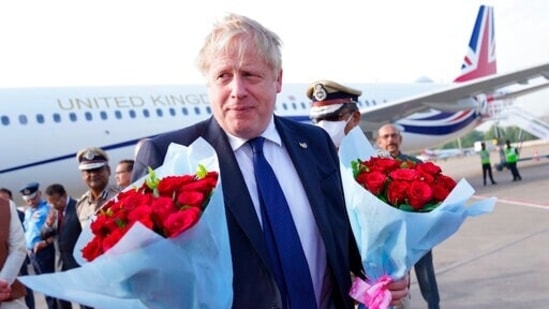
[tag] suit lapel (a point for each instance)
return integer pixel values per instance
(306, 163)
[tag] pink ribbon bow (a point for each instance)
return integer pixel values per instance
(374, 295)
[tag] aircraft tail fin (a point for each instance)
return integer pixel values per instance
(480, 59)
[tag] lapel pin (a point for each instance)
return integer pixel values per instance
(303, 145)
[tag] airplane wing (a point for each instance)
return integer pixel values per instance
(457, 96)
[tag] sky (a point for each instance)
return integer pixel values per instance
(119, 42)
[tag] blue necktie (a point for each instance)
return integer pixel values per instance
(286, 255)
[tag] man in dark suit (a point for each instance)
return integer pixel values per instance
(241, 62)
(63, 227)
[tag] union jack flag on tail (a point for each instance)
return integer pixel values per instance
(480, 59)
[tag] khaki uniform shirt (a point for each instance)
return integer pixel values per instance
(87, 206)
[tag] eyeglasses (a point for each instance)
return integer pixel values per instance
(392, 135)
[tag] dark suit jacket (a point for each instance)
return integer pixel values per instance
(67, 236)
(318, 169)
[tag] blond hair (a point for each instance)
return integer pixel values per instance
(233, 34)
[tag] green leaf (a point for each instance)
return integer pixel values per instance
(201, 171)
(406, 207)
(152, 181)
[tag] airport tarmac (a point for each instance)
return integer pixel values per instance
(497, 260)
(501, 259)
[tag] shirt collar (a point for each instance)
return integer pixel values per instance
(270, 134)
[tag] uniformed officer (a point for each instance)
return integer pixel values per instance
(486, 165)
(511, 158)
(93, 163)
(41, 252)
(334, 108)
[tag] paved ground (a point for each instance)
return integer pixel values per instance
(499, 260)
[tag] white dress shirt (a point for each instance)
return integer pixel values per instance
(16, 248)
(279, 159)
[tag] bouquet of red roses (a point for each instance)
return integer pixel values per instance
(399, 210)
(406, 185)
(163, 243)
(167, 206)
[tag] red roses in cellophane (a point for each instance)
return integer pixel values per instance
(167, 206)
(398, 210)
(407, 185)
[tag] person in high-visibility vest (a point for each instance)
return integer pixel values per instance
(511, 158)
(486, 166)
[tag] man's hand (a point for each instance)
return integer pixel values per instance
(42, 244)
(5, 290)
(399, 290)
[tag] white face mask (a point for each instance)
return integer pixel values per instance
(336, 129)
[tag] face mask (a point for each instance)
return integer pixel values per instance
(336, 129)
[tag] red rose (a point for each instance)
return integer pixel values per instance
(113, 238)
(384, 165)
(419, 193)
(405, 174)
(397, 192)
(429, 168)
(143, 214)
(204, 185)
(373, 181)
(440, 192)
(168, 206)
(93, 249)
(169, 185)
(162, 207)
(426, 177)
(406, 185)
(446, 182)
(190, 198)
(180, 221)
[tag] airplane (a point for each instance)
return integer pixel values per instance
(444, 154)
(43, 128)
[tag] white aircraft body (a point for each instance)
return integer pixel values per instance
(43, 128)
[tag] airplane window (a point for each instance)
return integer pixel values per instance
(294, 106)
(197, 110)
(132, 113)
(146, 113)
(103, 115)
(373, 102)
(208, 110)
(285, 106)
(23, 119)
(367, 103)
(303, 105)
(118, 114)
(40, 118)
(185, 111)
(159, 112)
(88, 116)
(5, 120)
(56, 117)
(172, 111)
(72, 117)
